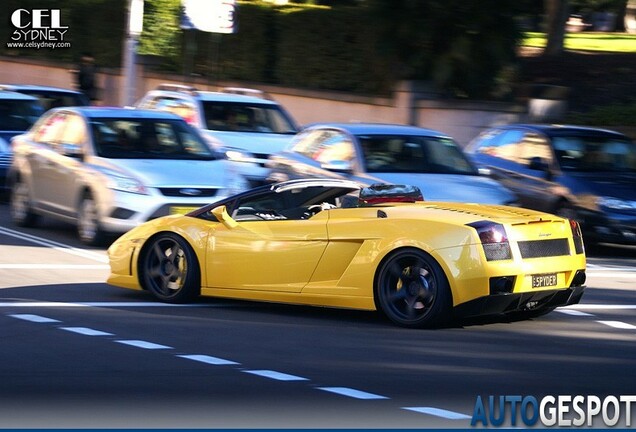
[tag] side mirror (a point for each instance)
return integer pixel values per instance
(224, 217)
(337, 165)
(537, 163)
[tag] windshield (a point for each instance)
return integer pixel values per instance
(18, 115)
(413, 154)
(147, 139)
(52, 99)
(243, 117)
(594, 154)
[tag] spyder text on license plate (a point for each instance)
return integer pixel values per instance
(544, 280)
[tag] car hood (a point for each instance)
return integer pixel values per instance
(449, 187)
(263, 143)
(171, 172)
(614, 185)
(7, 135)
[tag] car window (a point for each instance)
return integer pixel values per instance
(535, 147)
(18, 115)
(53, 99)
(244, 117)
(74, 131)
(325, 145)
(590, 153)
(413, 154)
(181, 107)
(486, 142)
(507, 146)
(147, 139)
(286, 205)
(49, 129)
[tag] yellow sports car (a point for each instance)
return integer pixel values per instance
(332, 243)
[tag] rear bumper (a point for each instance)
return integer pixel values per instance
(518, 302)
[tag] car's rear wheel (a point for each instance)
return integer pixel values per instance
(169, 269)
(88, 228)
(21, 211)
(411, 289)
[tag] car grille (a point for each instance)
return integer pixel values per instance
(5, 159)
(262, 157)
(188, 192)
(544, 248)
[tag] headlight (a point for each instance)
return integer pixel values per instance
(126, 184)
(238, 155)
(616, 203)
(4, 146)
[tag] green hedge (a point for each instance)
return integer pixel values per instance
(95, 26)
(460, 46)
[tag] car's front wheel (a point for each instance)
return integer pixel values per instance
(21, 212)
(411, 289)
(88, 228)
(169, 269)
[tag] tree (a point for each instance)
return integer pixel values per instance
(556, 12)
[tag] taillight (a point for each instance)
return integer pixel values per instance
(577, 236)
(493, 239)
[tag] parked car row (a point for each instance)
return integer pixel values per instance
(109, 169)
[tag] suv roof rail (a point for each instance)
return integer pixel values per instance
(177, 88)
(246, 92)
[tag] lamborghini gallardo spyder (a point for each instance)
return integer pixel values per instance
(334, 243)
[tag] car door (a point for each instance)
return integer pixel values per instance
(41, 155)
(523, 162)
(66, 164)
(264, 251)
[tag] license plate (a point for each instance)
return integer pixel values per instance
(544, 280)
(181, 210)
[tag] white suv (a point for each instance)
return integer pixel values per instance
(243, 123)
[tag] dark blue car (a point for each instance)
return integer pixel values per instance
(18, 112)
(588, 174)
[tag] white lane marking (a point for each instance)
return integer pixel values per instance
(103, 304)
(573, 312)
(34, 318)
(143, 344)
(86, 331)
(438, 412)
(276, 375)
(357, 394)
(618, 325)
(208, 359)
(612, 273)
(601, 307)
(54, 267)
(601, 267)
(55, 245)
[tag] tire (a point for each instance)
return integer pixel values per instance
(21, 211)
(412, 290)
(169, 269)
(88, 228)
(565, 210)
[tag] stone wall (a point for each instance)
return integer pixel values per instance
(461, 120)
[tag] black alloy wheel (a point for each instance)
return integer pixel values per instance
(169, 269)
(412, 290)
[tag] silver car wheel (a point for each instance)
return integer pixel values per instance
(88, 221)
(21, 213)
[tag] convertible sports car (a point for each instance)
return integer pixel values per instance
(332, 243)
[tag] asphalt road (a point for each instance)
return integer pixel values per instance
(77, 353)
